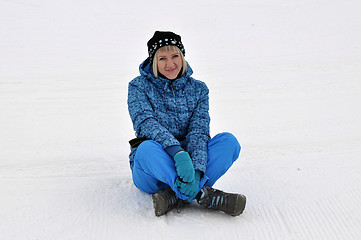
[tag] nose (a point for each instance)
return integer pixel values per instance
(170, 63)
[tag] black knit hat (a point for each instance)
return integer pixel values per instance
(161, 39)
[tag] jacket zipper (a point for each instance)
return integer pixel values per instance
(171, 87)
(175, 106)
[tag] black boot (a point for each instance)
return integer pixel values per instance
(165, 200)
(230, 203)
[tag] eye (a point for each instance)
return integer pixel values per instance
(175, 55)
(161, 59)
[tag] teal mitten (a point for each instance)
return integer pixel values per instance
(184, 166)
(190, 189)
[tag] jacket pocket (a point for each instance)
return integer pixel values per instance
(135, 142)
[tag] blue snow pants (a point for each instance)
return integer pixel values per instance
(154, 169)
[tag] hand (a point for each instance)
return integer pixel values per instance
(189, 189)
(184, 166)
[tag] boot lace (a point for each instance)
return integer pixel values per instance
(218, 199)
(171, 201)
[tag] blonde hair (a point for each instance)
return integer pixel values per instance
(168, 48)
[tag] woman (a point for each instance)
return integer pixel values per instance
(173, 156)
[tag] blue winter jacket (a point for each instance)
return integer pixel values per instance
(174, 113)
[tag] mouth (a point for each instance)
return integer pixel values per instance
(171, 70)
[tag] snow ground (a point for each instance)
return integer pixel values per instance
(284, 78)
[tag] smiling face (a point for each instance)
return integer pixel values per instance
(169, 63)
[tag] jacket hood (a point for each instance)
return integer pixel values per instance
(146, 71)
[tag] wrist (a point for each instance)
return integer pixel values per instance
(198, 174)
(173, 150)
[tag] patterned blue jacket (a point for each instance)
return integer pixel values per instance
(172, 113)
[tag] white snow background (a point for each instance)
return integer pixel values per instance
(284, 77)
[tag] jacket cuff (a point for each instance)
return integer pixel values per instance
(199, 160)
(172, 150)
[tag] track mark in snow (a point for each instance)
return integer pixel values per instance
(328, 218)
